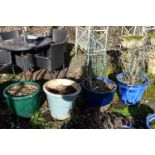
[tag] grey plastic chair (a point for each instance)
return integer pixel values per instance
(59, 35)
(5, 61)
(29, 58)
(53, 59)
(9, 35)
(21, 59)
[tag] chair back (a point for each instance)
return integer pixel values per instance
(5, 57)
(9, 35)
(54, 57)
(56, 54)
(59, 35)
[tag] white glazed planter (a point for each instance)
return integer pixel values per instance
(61, 105)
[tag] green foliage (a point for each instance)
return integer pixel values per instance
(37, 120)
(150, 91)
(151, 34)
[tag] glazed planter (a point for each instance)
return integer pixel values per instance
(23, 106)
(60, 105)
(97, 99)
(150, 121)
(131, 94)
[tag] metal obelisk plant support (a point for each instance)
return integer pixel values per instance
(96, 56)
(24, 29)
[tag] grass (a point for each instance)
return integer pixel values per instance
(150, 91)
(140, 111)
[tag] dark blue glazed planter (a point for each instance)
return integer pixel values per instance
(131, 94)
(149, 119)
(96, 99)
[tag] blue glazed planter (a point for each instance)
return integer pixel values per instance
(61, 105)
(131, 94)
(97, 99)
(149, 119)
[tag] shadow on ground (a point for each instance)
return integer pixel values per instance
(136, 114)
(139, 114)
(85, 117)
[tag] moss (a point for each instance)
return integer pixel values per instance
(129, 38)
(151, 34)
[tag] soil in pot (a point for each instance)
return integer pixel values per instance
(22, 90)
(98, 85)
(62, 90)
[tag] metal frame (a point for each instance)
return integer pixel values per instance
(93, 41)
(83, 34)
(136, 30)
(131, 30)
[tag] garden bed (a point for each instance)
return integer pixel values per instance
(81, 116)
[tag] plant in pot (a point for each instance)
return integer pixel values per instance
(61, 95)
(23, 98)
(98, 91)
(132, 82)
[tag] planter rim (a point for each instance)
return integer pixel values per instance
(101, 78)
(118, 76)
(21, 97)
(78, 88)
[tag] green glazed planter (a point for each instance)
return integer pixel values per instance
(23, 106)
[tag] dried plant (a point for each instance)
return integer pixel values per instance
(134, 61)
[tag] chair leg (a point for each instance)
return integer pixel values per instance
(76, 50)
(51, 75)
(13, 70)
(63, 70)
